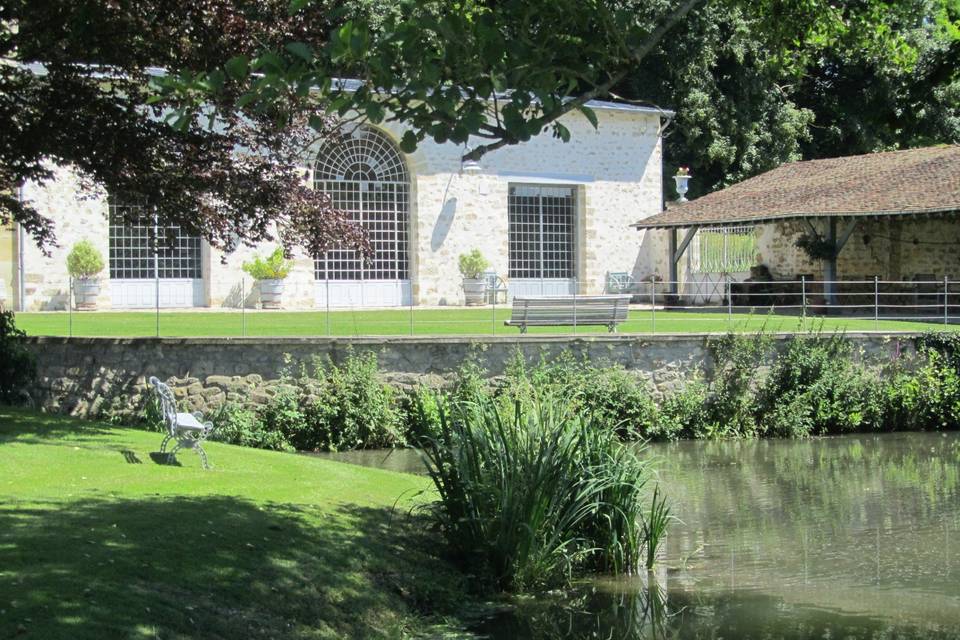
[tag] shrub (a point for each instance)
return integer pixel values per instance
(614, 397)
(817, 387)
(527, 501)
(239, 425)
(274, 267)
(422, 414)
(683, 413)
(355, 408)
(926, 397)
(17, 366)
(84, 260)
(730, 409)
(473, 264)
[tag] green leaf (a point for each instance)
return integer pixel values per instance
(408, 143)
(237, 67)
(296, 6)
(300, 50)
(590, 115)
(375, 112)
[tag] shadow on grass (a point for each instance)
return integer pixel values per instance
(214, 567)
(26, 425)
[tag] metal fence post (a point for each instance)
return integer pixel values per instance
(493, 315)
(803, 300)
(327, 281)
(653, 304)
(729, 299)
(70, 306)
(156, 291)
(876, 302)
(574, 305)
(946, 295)
(243, 307)
(411, 313)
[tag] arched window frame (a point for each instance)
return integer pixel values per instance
(365, 175)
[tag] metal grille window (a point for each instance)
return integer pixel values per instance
(365, 176)
(725, 249)
(541, 231)
(134, 236)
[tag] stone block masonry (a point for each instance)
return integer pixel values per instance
(91, 377)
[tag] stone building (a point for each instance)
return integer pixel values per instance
(893, 216)
(550, 217)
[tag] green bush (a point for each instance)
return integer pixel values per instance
(925, 396)
(529, 500)
(817, 386)
(613, 396)
(473, 264)
(84, 260)
(17, 366)
(239, 425)
(356, 409)
(684, 413)
(274, 267)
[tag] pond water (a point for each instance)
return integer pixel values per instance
(844, 537)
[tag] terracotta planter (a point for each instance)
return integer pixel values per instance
(85, 293)
(271, 292)
(474, 291)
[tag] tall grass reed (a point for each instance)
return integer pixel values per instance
(532, 493)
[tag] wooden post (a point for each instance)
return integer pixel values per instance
(830, 266)
(673, 286)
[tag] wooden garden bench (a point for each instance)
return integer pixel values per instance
(551, 311)
(188, 429)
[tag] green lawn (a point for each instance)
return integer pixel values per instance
(423, 322)
(97, 540)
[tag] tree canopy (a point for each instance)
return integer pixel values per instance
(127, 90)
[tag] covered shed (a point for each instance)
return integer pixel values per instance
(893, 215)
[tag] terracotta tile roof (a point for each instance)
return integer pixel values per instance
(914, 181)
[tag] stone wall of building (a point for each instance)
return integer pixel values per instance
(79, 214)
(616, 169)
(892, 248)
(92, 376)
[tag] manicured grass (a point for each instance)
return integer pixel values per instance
(419, 322)
(97, 540)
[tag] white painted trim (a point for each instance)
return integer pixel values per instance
(544, 178)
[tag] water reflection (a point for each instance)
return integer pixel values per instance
(853, 536)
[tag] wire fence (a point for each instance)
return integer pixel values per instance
(715, 304)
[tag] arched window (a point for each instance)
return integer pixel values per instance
(365, 176)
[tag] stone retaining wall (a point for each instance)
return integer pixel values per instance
(94, 376)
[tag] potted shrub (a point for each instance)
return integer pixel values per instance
(84, 264)
(269, 273)
(472, 266)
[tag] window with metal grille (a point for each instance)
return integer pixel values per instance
(725, 249)
(541, 231)
(365, 177)
(140, 249)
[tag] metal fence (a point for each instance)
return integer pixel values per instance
(714, 304)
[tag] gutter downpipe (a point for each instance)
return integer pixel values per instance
(21, 288)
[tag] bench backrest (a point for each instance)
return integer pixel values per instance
(558, 310)
(168, 405)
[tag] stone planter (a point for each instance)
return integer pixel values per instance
(271, 291)
(474, 291)
(85, 293)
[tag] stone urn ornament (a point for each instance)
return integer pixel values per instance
(270, 272)
(84, 264)
(472, 266)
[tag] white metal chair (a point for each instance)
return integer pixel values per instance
(188, 429)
